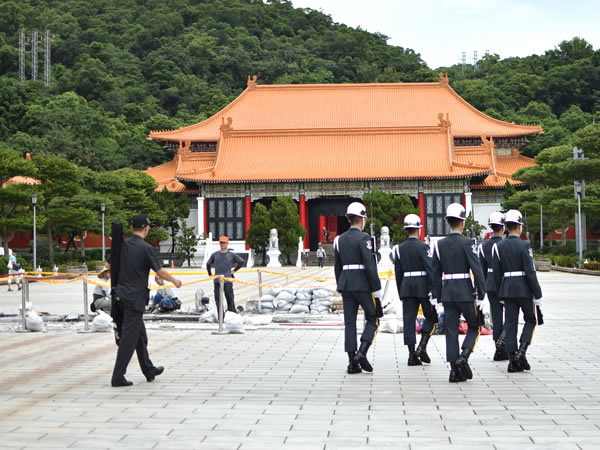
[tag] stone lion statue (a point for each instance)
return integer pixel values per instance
(273, 240)
(385, 237)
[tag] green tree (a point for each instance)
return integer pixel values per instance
(285, 217)
(175, 209)
(473, 229)
(258, 232)
(389, 210)
(186, 242)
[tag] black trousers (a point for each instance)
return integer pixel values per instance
(320, 262)
(452, 312)
(497, 311)
(410, 309)
(351, 302)
(228, 288)
(512, 306)
(133, 338)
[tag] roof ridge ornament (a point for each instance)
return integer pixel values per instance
(444, 123)
(226, 128)
(488, 144)
(252, 82)
(444, 80)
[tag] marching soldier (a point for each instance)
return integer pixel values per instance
(453, 258)
(358, 282)
(412, 266)
(516, 284)
(496, 222)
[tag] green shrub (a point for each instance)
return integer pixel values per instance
(566, 260)
(91, 265)
(592, 265)
(20, 260)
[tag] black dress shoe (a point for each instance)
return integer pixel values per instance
(413, 360)
(463, 366)
(120, 383)
(455, 374)
(501, 355)
(155, 372)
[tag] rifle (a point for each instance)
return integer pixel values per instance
(540, 316)
(116, 307)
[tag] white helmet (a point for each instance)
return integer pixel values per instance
(496, 218)
(412, 221)
(356, 209)
(457, 211)
(513, 216)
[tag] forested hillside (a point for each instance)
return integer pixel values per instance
(121, 68)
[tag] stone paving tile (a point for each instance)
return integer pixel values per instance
(287, 388)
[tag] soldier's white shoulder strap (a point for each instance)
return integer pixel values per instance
(480, 250)
(396, 252)
(336, 243)
(496, 252)
(435, 250)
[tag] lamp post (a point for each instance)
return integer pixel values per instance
(34, 201)
(102, 209)
(578, 191)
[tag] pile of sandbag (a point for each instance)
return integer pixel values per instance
(285, 298)
(322, 301)
(234, 323)
(266, 304)
(302, 301)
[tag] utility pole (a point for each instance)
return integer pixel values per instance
(580, 222)
(21, 57)
(47, 39)
(34, 55)
(464, 61)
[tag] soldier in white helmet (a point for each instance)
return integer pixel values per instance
(454, 259)
(516, 284)
(358, 282)
(496, 223)
(412, 266)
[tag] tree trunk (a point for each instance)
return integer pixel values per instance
(82, 248)
(50, 242)
(563, 236)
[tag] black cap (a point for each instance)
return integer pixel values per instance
(140, 221)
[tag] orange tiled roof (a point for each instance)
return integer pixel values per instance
(21, 180)
(360, 154)
(348, 106)
(165, 177)
(505, 167)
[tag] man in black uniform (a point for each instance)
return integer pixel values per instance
(453, 258)
(496, 222)
(412, 266)
(137, 258)
(516, 284)
(358, 282)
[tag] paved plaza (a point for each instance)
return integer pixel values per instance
(285, 386)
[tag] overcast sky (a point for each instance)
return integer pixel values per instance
(440, 30)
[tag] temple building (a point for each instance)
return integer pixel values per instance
(327, 145)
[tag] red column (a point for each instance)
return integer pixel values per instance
(464, 201)
(247, 217)
(206, 218)
(303, 210)
(322, 224)
(422, 215)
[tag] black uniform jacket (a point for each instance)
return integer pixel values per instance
(485, 258)
(515, 255)
(412, 256)
(354, 247)
(456, 254)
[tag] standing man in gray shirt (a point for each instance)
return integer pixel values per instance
(224, 260)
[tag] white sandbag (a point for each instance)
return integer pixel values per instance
(393, 307)
(267, 298)
(102, 322)
(284, 307)
(303, 302)
(234, 323)
(322, 301)
(274, 291)
(266, 305)
(286, 296)
(299, 309)
(209, 316)
(300, 295)
(391, 326)
(258, 320)
(33, 322)
(322, 292)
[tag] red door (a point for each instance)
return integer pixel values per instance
(332, 227)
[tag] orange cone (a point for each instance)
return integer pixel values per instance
(172, 264)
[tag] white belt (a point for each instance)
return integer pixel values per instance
(490, 270)
(415, 274)
(456, 276)
(353, 267)
(514, 274)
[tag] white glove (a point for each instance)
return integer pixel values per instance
(479, 304)
(433, 301)
(377, 294)
(537, 302)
